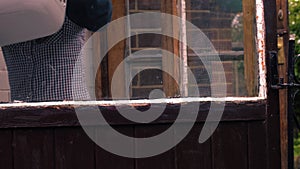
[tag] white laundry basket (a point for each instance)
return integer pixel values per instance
(22, 20)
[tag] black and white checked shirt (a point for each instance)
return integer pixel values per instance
(44, 69)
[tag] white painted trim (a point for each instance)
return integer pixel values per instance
(132, 102)
(183, 50)
(260, 26)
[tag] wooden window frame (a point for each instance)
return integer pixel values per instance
(116, 54)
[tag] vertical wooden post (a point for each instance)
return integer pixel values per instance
(273, 120)
(169, 44)
(116, 54)
(283, 39)
(250, 60)
(114, 58)
(96, 55)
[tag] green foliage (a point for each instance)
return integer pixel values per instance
(294, 19)
(294, 24)
(297, 146)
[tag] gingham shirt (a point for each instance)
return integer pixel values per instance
(43, 69)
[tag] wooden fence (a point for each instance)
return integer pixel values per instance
(51, 138)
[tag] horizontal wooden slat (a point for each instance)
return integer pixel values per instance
(56, 116)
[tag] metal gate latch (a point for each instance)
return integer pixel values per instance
(276, 81)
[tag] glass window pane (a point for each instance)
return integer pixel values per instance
(222, 23)
(148, 54)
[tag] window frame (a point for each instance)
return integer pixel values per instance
(251, 56)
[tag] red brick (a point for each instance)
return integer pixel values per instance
(149, 40)
(152, 23)
(224, 34)
(230, 90)
(200, 5)
(222, 45)
(211, 33)
(149, 5)
(229, 77)
(228, 66)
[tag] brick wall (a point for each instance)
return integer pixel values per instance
(215, 23)
(145, 81)
(4, 85)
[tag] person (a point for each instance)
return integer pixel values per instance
(44, 69)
